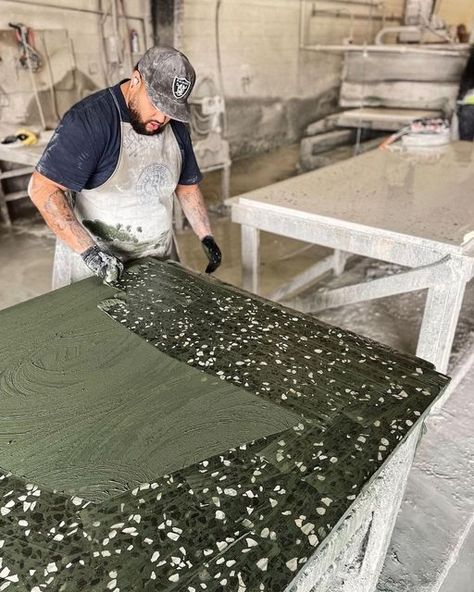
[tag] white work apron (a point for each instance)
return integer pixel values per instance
(130, 215)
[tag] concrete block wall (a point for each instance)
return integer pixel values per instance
(273, 88)
(455, 13)
(69, 35)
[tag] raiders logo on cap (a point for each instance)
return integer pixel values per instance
(169, 79)
(181, 86)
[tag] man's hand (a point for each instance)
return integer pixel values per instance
(104, 265)
(213, 253)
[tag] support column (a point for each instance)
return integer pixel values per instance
(340, 258)
(225, 184)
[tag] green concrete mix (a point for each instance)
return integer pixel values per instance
(219, 459)
(90, 409)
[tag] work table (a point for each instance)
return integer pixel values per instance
(176, 433)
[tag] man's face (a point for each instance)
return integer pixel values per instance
(145, 118)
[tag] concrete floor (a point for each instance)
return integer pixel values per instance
(26, 255)
(461, 574)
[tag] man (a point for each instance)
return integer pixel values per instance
(124, 152)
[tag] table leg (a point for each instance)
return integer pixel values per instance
(440, 318)
(250, 249)
(4, 208)
(178, 215)
(340, 258)
(225, 184)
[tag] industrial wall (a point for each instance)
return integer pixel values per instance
(251, 48)
(248, 49)
(457, 12)
(82, 45)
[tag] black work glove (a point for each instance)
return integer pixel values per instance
(104, 265)
(213, 253)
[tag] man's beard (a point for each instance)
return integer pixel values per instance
(139, 126)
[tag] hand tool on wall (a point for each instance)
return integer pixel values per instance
(30, 60)
(29, 57)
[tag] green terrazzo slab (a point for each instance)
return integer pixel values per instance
(247, 515)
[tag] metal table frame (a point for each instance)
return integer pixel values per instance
(441, 268)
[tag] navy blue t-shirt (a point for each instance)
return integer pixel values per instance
(84, 149)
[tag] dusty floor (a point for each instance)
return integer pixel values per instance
(26, 254)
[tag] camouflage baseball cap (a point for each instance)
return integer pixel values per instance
(169, 79)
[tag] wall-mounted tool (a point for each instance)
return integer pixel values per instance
(30, 60)
(134, 41)
(29, 57)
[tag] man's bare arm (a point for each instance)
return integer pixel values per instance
(194, 208)
(192, 202)
(51, 201)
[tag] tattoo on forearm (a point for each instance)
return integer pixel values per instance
(58, 210)
(60, 217)
(194, 208)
